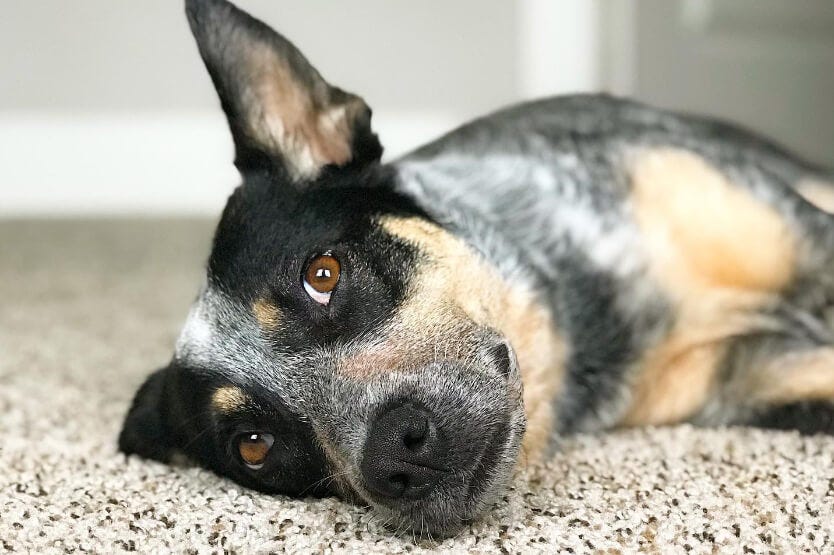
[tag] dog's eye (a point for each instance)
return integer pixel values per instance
(253, 449)
(321, 277)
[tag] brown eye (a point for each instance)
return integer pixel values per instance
(254, 448)
(321, 277)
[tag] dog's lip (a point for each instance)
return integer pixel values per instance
(490, 456)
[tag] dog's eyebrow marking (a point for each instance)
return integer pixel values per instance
(267, 314)
(228, 399)
(818, 192)
(223, 339)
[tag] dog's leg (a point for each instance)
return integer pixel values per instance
(796, 391)
(807, 417)
(791, 390)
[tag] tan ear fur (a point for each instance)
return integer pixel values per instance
(281, 111)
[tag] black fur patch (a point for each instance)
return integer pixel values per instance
(269, 231)
(605, 341)
(145, 431)
(807, 417)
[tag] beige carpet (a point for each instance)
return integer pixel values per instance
(87, 310)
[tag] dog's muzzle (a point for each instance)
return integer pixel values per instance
(429, 448)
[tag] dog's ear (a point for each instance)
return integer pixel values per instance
(145, 431)
(282, 113)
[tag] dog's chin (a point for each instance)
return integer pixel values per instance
(460, 497)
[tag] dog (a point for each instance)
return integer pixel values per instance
(404, 334)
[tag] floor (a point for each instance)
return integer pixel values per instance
(88, 309)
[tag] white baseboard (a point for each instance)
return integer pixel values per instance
(144, 164)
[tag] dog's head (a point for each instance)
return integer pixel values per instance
(342, 342)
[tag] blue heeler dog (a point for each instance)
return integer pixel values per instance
(395, 333)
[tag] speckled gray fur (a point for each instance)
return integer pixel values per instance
(541, 190)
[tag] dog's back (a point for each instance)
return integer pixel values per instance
(688, 262)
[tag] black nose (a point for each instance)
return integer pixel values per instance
(404, 454)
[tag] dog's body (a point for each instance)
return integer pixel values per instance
(676, 256)
(365, 329)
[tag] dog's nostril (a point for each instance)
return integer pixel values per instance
(400, 481)
(502, 354)
(415, 437)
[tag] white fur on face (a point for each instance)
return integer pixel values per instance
(224, 338)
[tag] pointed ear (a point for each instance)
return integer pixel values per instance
(145, 431)
(282, 113)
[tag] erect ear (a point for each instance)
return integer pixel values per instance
(145, 431)
(282, 113)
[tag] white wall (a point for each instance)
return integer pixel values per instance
(105, 107)
(765, 64)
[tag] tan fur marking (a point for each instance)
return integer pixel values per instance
(677, 376)
(302, 123)
(718, 255)
(453, 289)
(228, 399)
(818, 192)
(267, 314)
(705, 232)
(797, 376)
(675, 383)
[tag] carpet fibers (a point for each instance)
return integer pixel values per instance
(87, 310)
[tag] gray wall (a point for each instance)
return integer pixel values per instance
(106, 108)
(768, 64)
(104, 55)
